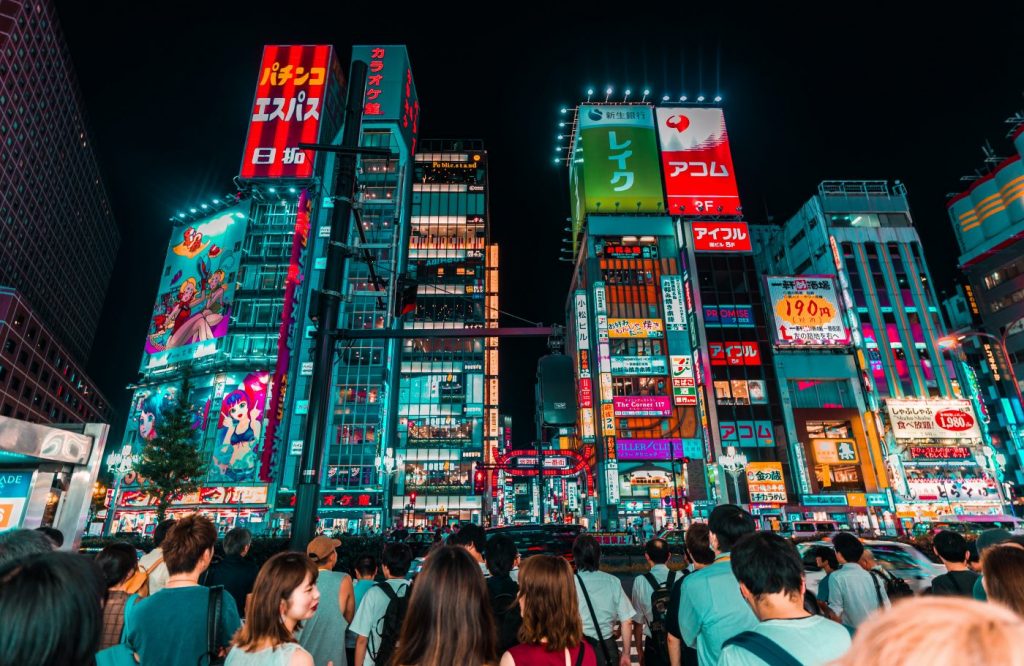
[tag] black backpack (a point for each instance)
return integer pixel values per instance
(895, 587)
(660, 597)
(507, 620)
(390, 625)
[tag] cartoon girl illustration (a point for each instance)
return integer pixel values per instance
(150, 416)
(175, 317)
(241, 425)
(201, 325)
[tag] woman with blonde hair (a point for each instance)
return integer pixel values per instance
(938, 631)
(552, 632)
(284, 595)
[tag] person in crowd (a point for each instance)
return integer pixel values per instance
(853, 593)
(449, 618)
(323, 635)
(951, 548)
(152, 563)
(53, 534)
(987, 539)
(552, 631)
(284, 595)
(711, 608)
(235, 572)
(51, 609)
(602, 602)
(367, 624)
(365, 570)
(771, 579)
(473, 539)
(15, 544)
(659, 579)
(825, 559)
(118, 562)
(170, 627)
(502, 591)
(938, 631)
(973, 559)
(697, 548)
(1003, 575)
(647, 530)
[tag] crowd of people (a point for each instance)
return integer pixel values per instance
(740, 599)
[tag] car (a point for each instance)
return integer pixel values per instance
(549, 539)
(900, 559)
(674, 537)
(809, 528)
(970, 526)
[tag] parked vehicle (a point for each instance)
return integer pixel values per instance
(809, 528)
(900, 559)
(970, 526)
(551, 539)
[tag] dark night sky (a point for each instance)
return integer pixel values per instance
(871, 93)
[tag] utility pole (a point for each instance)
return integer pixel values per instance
(307, 493)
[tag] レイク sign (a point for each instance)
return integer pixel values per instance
(290, 94)
(932, 419)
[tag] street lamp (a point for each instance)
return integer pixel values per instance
(734, 464)
(955, 340)
(387, 465)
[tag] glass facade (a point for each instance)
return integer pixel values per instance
(448, 386)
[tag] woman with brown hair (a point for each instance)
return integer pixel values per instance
(552, 632)
(1003, 575)
(284, 595)
(449, 621)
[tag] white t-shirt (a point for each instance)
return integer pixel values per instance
(811, 640)
(368, 618)
(158, 576)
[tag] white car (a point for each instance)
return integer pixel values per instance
(898, 558)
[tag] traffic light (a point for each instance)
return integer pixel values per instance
(412, 497)
(479, 479)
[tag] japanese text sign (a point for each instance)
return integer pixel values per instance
(734, 353)
(635, 328)
(932, 419)
(765, 483)
(287, 110)
(696, 161)
(746, 434)
(721, 237)
(806, 311)
(651, 405)
(390, 94)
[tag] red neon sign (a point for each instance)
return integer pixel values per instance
(697, 162)
(734, 353)
(941, 452)
(721, 237)
(287, 110)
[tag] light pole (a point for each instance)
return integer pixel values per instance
(387, 465)
(955, 340)
(734, 464)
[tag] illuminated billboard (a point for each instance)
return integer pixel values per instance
(729, 315)
(390, 94)
(635, 328)
(746, 434)
(765, 483)
(288, 109)
(193, 303)
(721, 237)
(650, 405)
(740, 352)
(806, 311)
(619, 171)
(684, 383)
(697, 162)
(932, 419)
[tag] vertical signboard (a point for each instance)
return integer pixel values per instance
(605, 370)
(674, 302)
(619, 153)
(279, 382)
(684, 384)
(291, 90)
(697, 162)
(585, 391)
(390, 90)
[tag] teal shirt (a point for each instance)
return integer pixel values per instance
(979, 590)
(169, 627)
(812, 641)
(711, 610)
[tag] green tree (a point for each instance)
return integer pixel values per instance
(171, 464)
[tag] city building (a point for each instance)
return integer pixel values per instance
(40, 381)
(908, 443)
(448, 395)
(988, 222)
(58, 237)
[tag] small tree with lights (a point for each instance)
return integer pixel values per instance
(171, 464)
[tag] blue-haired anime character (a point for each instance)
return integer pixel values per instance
(151, 416)
(239, 433)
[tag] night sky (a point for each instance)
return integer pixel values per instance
(870, 93)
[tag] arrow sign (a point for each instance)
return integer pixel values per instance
(783, 334)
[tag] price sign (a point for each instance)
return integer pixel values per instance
(805, 310)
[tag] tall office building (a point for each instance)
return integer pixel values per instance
(913, 426)
(58, 238)
(448, 425)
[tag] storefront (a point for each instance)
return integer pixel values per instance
(47, 475)
(227, 506)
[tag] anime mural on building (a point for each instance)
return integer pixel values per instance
(236, 449)
(193, 304)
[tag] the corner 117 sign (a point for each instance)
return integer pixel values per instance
(806, 311)
(292, 89)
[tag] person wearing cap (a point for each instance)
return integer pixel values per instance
(323, 635)
(986, 540)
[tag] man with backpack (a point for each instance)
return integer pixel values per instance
(651, 592)
(958, 580)
(771, 579)
(853, 593)
(378, 620)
